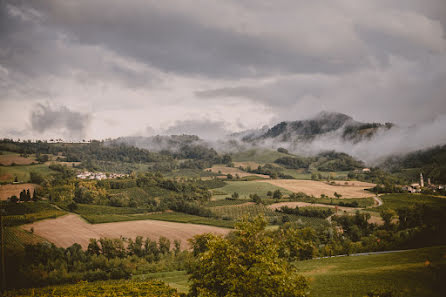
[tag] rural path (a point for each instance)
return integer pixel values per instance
(378, 200)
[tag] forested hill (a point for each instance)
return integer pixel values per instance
(431, 162)
(325, 122)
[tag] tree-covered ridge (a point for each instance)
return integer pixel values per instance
(431, 162)
(325, 161)
(77, 152)
(325, 122)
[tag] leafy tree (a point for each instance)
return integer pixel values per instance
(177, 247)
(14, 199)
(387, 215)
(256, 198)
(277, 194)
(244, 264)
(93, 247)
(36, 177)
(72, 206)
(235, 195)
(164, 245)
(23, 196)
(337, 195)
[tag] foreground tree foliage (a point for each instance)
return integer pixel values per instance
(246, 263)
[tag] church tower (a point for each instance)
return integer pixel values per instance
(421, 180)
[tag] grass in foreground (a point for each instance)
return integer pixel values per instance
(405, 272)
(102, 288)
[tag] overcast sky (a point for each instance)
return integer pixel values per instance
(109, 68)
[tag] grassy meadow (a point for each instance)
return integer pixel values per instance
(166, 216)
(406, 273)
(399, 200)
(259, 156)
(8, 173)
(245, 188)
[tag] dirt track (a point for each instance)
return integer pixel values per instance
(69, 229)
(354, 189)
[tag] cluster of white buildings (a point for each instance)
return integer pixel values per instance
(99, 175)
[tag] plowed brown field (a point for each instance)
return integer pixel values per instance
(354, 189)
(69, 229)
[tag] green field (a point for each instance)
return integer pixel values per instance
(16, 238)
(244, 188)
(403, 272)
(190, 173)
(8, 173)
(259, 156)
(302, 174)
(236, 213)
(101, 288)
(28, 212)
(394, 201)
(355, 276)
(167, 216)
(175, 279)
(362, 202)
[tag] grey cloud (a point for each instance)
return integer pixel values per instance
(178, 43)
(33, 52)
(59, 119)
(404, 91)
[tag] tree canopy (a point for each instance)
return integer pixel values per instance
(246, 263)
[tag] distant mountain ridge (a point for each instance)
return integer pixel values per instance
(323, 123)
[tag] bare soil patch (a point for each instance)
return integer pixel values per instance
(233, 171)
(67, 230)
(9, 190)
(316, 188)
(7, 160)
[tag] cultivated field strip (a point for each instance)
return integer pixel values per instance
(67, 230)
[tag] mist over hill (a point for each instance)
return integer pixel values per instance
(327, 131)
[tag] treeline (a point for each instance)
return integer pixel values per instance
(77, 152)
(45, 264)
(430, 162)
(363, 130)
(96, 154)
(307, 211)
(325, 161)
(273, 171)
